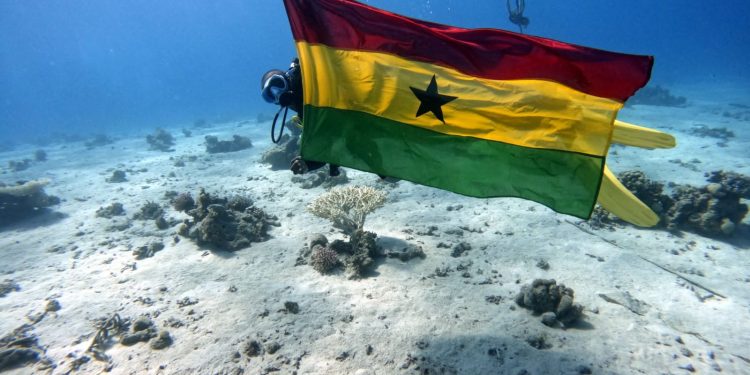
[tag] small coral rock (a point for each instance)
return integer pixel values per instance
(163, 340)
(546, 296)
(324, 259)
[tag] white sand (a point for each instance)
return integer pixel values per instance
(412, 320)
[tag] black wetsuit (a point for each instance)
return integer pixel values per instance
(293, 100)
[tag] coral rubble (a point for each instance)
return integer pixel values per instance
(8, 286)
(114, 209)
(356, 255)
(183, 202)
(21, 348)
(19, 165)
(704, 131)
(40, 155)
(281, 154)
(23, 200)
(147, 251)
(149, 211)
(98, 141)
(161, 140)
(214, 145)
(715, 209)
(117, 177)
(657, 95)
(226, 224)
(552, 301)
(321, 177)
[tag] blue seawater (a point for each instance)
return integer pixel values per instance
(82, 67)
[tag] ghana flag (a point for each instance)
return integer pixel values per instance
(479, 112)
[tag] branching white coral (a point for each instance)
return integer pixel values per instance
(347, 207)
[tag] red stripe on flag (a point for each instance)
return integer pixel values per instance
(486, 53)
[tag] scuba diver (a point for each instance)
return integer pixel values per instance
(516, 15)
(284, 88)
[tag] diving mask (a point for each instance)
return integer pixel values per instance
(274, 85)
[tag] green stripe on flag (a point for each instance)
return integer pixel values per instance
(564, 181)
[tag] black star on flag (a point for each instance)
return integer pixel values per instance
(431, 101)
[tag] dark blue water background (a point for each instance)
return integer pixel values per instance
(84, 67)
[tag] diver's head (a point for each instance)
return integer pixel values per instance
(273, 85)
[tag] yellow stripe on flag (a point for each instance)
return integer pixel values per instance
(527, 113)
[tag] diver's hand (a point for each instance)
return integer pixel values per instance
(298, 165)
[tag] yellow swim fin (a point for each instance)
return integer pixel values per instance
(613, 196)
(617, 199)
(639, 136)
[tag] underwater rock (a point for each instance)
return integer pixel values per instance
(114, 209)
(187, 133)
(23, 200)
(52, 306)
(281, 154)
(272, 347)
(7, 286)
(239, 203)
(404, 253)
(712, 210)
(320, 177)
(227, 224)
(16, 357)
(460, 249)
(143, 330)
(21, 348)
(40, 155)
(538, 341)
(118, 224)
(161, 223)
(542, 264)
(549, 319)
(364, 250)
(19, 165)
(357, 255)
(200, 123)
(149, 211)
(6, 145)
(183, 202)
(214, 145)
(704, 131)
(163, 340)
(147, 251)
(143, 322)
(129, 339)
(253, 348)
(544, 296)
(318, 239)
(263, 117)
(648, 191)
(98, 141)
(117, 177)
(291, 307)
(657, 96)
(161, 140)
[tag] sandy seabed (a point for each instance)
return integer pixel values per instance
(405, 317)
